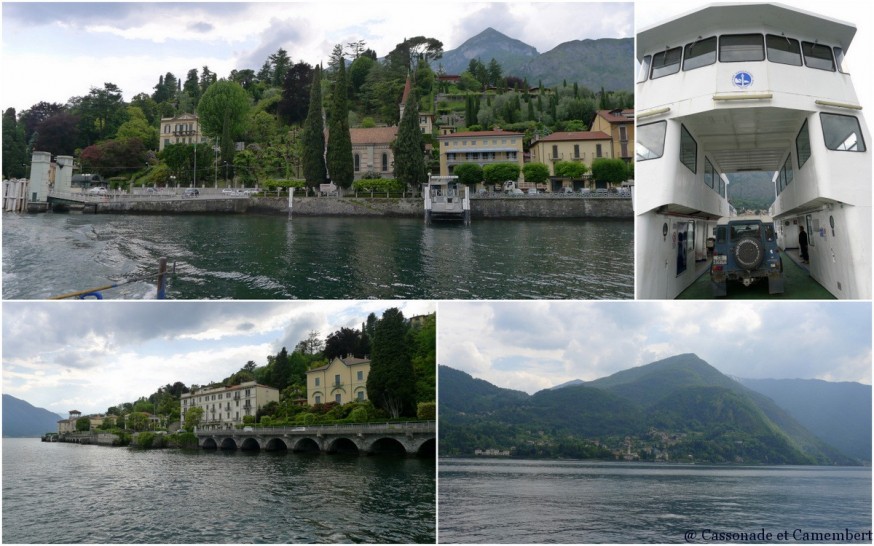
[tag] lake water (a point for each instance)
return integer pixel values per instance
(55, 492)
(269, 257)
(508, 501)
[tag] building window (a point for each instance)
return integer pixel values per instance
(360, 395)
(623, 133)
(554, 151)
(688, 150)
(741, 47)
(577, 151)
(842, 133)
(357, 163)
(337, 379)
(666, 62)
(337, 399)
(597, 150)
(317, 382)
(360, 376)
(802, 145)
(384, 162)
(318, 399)
(783, 50)
(700, 53)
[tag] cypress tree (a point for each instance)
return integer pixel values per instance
(391, 383)
(313, 137)
(408, 147)
(341, 167)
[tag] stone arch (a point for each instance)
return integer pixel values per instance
(228, 443)
(342, 445)
(250, 444)
(387, 445)
(428, 448)
(209, 443)
(306, 445)
(276, 444)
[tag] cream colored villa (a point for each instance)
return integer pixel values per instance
(578, 146)
(182, 129)
(480, 147)
(224, 407)
(619, 124)
(342, 380)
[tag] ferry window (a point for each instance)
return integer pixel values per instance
(644, 69)
(783, 50)
(709, 172)
(839, 59)
(650, 141)
(721, 187)
(741, 47)
(666, 62)
(818, 56)
(787, 167)
(699, 53)
(802, 145)
(842, 133)
(688, 150)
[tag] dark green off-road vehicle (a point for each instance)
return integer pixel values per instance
(746, 250)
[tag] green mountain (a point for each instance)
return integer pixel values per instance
(837, 412)
(606, 62)
(21, 419)
(679, 408)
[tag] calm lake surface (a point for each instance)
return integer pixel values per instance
(55, 492)
(502, 501)
(269, 257)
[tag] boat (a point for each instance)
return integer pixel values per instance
(733, 88)
(446, 199)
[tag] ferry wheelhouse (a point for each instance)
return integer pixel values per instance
(750, 87)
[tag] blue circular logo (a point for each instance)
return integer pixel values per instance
(742, 80)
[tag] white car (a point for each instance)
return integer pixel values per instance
(99, 190)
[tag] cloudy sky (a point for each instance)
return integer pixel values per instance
(648, 13)
(93, 355)
(532, 346)
(53, 51)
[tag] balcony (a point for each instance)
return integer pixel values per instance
(185, 132)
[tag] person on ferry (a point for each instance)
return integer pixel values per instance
(802, 244)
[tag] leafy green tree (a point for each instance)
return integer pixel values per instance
(391, 383)
(138, 420)
(222, 114)
(358, 71)
(83, 424)
(193, 417)
(535, 172)
(100, 112)
(191, 87)
(409, 147)
(346, 341)
(279, 62)
(497, 173)
(611, 171)
(14, 146)
(313, 163)
(469, 173)
(137, 126)
(114, 157)
(341, 166)
(248, 167)
(292, 107)
(423, 345)
(36, 114)
(165, 90)
(570, 169)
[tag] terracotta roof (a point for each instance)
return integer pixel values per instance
(617, 116)
(474, 134)
(373, 135)
(574, 135)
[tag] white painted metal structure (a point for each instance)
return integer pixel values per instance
(750, 87)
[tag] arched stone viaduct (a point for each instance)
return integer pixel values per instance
(412, 438)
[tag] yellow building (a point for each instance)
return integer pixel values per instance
(342, 380)
(182, 129)
(619, 124)
(579, 146)
(480, 147)
(371, 150)
(224, 407)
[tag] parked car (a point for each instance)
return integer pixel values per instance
(191, 192)
(515, 191)
(532, 191)
(746, 250)
(585, 191)
(99, 190)
(566, 190)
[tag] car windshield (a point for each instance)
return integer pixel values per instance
(745, 230)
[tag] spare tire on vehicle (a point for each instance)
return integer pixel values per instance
(749, 253)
